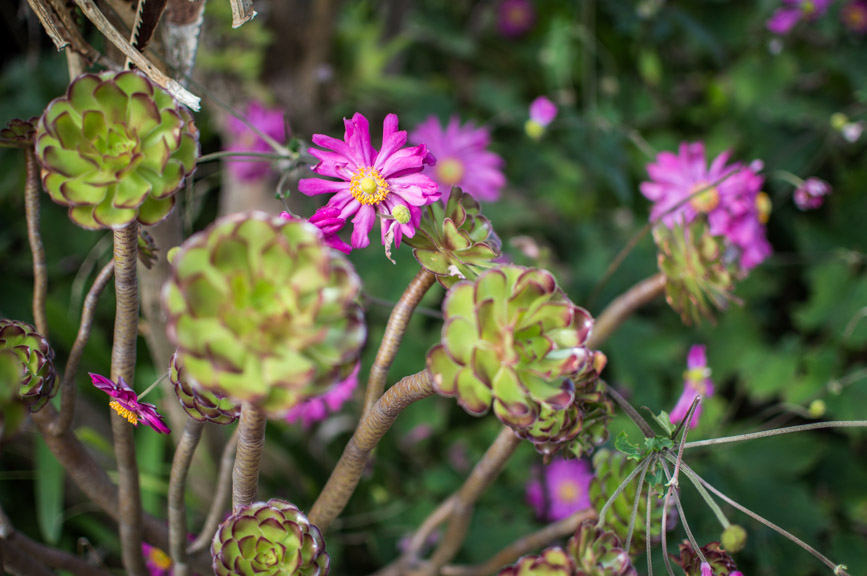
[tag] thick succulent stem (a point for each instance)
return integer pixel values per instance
(123, 353)
(88, 310)
(623, 306)
(251, 446)
(221, 497)
(372, 428)
(32, 189)
(394, 331)
(482, 476)
(177, 484)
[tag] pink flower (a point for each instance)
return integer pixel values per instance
(370, 182)
(319, 407)
(157, 562)
(328, 222)
(269, 121)
(706, 569)
(127, 405)
(730, 199)
(515, 17)
(791, 12)
(543, 111)
(565, 490)
(462, 158)
(854, 16)
(696, 380)
(811, 193)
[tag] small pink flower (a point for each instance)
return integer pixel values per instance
(463, 158)
(854, 16)
(269, 121)
(328, 222)
(565, 491)
(370, 183)
(791, 12)
(696, 380)
(157, 562)
(515, 17)
(730, 199)
(127, 405)
(811, 193)
(319, 407)
(543, 111)
(706, 569)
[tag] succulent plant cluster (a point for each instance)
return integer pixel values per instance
(551, 562)
(721, 564)
(698, 276)
(115, 149)
(34, 362)
(199, 403)
(12, 409)
(514, 341)
(18, 133)
(270, 538)
(455, 242)
(263, 312)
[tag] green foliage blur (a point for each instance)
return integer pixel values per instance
(631, 78)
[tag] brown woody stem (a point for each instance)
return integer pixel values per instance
(340, 486)
(221, 497)
(32, 189)
(177, 484)
(394, 331)
(251, 446)
(623, 307)
(88, 310)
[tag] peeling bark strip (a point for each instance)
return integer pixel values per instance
(182, 28)
(242, 12)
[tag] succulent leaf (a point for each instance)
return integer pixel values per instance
(721, 564)
(551, 562)
(597, 552)
(35, 376)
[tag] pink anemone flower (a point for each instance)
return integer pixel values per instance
(328, 221)
(319, 407)
(696, 380)
(565, 490)
(125, 402)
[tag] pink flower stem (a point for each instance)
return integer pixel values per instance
(635, 504)
(394, 331)
(623, 306)
(648, 544)
(251, 447)
(221, 497)
(32, 190)
(177, 484)
(777, 432)
(123, 356)
(672, 490)
(374, 424)
(88, 310)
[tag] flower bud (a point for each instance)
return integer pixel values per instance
(734, 538)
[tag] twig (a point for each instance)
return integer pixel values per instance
(778, 432)
(633, 414)
(626, 482)
(32, 189)
(88, 310)
(251, 446)
(19, 563)
(372, 428)
(177, 484)
(221, 497)
(635, 504)
(623, 306)
(394, 331)
(648, 545)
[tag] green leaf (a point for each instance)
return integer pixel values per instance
(49, 493)
(632, 451)
(664, 421)
(658, 444)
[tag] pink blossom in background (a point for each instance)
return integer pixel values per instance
(731, 199)
(515, 17)
(791, 12)
(463, 158)
(328, 221)
(696, 380)
(320, 407)
(269, 121)
(811, 193)
(543, 110)
(854, 16)
(125, 402)
(157, 562)
(369, 183)
(565, 489)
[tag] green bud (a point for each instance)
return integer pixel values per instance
(734, 538)
(839, 120)
(533, 129)
(401, 213)
(817, 408)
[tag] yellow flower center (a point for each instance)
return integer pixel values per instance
(533, 129)
(808, 7)
(450, 171)
(131, 417)
(568, 492)
(705, 199)
(856, 17)
(763, 205)
(160, 559)
(367, 186)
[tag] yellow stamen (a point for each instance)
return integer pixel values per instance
(450, 171)
(131, 417)
(763, 205)
(568, 492)
(367, 186)
(160, 559)
(707, 200)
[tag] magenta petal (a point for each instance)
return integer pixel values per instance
(783, 20)
(362, 225)
(314, 186)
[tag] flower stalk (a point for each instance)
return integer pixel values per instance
(32, 189)
(251, 447)
(177, 484)
(221, 497)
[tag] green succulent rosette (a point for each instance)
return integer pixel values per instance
(12, 410)
(514, 341)
(270, 538)
(721, 564)
(18, 133)
(115, 149)
(262, 311)
(201, 404)
(455, 241)
(611, 469)
(551, 562)
(35, 376)
(698, 277)
(597, 552)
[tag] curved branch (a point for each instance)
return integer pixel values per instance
(251, 446)
(221, 497)
(32, 189)
(177, 484)
(623, 306)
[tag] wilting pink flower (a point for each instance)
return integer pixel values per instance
(127, 405)
(387, 183)
(319, 407)
(730, 198)
(328, 222)
(811, 193)
(696, 380)
(463, 158)
(791, 12)
(157, 562)
(854, 16)
(515, 17)
(564, 492)
(269, 121)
